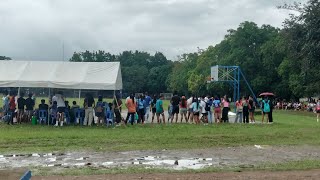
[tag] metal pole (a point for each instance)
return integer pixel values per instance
(254, 96)
(79, 96)
(49, 102)
(19, 92)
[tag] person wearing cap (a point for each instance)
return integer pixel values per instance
(183, 108)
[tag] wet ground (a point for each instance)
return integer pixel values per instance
(249, 156)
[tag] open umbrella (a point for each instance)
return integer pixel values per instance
(266, 94)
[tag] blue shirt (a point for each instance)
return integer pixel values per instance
(216, 103)
(147, 101)
(141, 104)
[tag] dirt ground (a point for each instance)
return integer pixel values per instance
(289, 175)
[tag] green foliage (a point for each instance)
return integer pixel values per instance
(5, 58)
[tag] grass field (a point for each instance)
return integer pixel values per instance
(290, 128)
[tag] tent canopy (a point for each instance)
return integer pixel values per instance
(64, 75)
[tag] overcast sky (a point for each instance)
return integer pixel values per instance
(37, 29)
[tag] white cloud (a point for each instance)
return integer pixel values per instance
(36, 29)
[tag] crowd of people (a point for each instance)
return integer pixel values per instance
(204, 109)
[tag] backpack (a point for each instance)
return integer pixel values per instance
(266, 106)
(207, 107)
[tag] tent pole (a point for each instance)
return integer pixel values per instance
(49, 104)
(79, 96)
(19, 92)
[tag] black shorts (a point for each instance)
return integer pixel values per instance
(205, 114)
(251, 110)
(265, 112)
(100, 114)
(154, 110)
(141, 112)
(175, 110)
(196, 113)
(318, 111)
(61, 109)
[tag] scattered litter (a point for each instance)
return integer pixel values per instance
(1, 156)
(35, 155)
(107, 163)
(208, 159)
(258, 146)
(79, 159)
(149, 158)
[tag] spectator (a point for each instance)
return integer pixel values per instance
(117, 103)
(265, 108)
(251, 109)
(89, 104)
(153, 107)
(141, 109)
(99, 110)
(217, 109)
(175, 101)
(226, 108)
(160, 110)
(21, 106)
(131, 105)
(147, 101)
(245, 104)
(170, 111)
(204, 108)
(190, 109)
(73, 110)
(239, 107)
(61, 105)
(12, 109)
(29, 107)
(209, 101)
(183, 108)
(43, 105)
(318, 110)
(196, 110)
(54, 111)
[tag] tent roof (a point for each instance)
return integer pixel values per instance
(65, 75)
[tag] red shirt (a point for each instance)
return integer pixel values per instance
(12, 103)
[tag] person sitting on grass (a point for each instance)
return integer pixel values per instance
(160, 110)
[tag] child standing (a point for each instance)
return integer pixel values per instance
(170, 109)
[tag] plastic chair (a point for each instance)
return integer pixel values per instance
(109, 117)
(78, 115)
(43, 116)
(53, 117)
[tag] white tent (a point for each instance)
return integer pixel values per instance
(65, 75)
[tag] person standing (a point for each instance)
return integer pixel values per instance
(99, 110)
(318, 110)
(21, 106)
(190, 109)
(29, 107)
(61, 107)
(153, 107)
(196, 110)
(175, 101)
(147, 101)
(117, 103)
(217, 109)
(12, 109)
(209, 101)
(89, 104)
(226, 108)
(270, 113)
(131, 105)
(204, 108)
(251, 109)
(245, 104)
(160, 110)
(239, 111)
(265, 108)
(141, 109)
(183, 108)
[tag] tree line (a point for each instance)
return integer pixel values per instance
(285, 61)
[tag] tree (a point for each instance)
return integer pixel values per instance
(5, 58)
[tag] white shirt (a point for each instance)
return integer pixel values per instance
(189, 102)
(203, 106)
(59, 99)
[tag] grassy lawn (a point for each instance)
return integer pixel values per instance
(291, 128)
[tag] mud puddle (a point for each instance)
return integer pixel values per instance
(249, 156)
